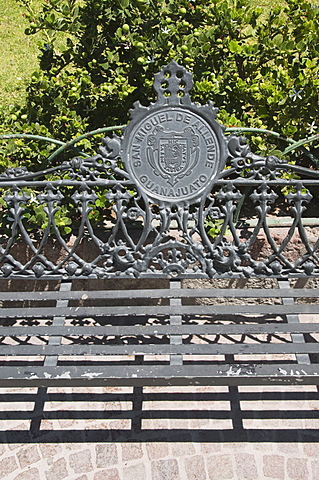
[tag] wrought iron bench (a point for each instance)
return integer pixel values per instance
(184, 282)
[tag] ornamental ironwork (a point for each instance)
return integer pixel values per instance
(174, 149)
(172, 196)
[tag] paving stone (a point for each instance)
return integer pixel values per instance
(181, 423)
(106, 455)
(74, 446)
(81, 461)
(49, 449)
(232, 446)
(311, 449)
(157, 450)
(155, 424)
(14, 446)
(7, 465)
(261, 446)
(209, 448)
(311, 423)
(124, 424)
(315, 469)
(28, 455)
(66, 424)
(246, 466)
(195, 468)
(297, 469)
(131, 451)
(134, 472)
(48, 425)
(180, 449)
(201, 423)
(82, 477)
(32, 474)
(165, 469)
(274, 466)
(220, 467)
(58, 470)
(110, 474)
(288, 448)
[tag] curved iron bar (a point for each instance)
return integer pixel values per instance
(82, 137)
(30, 136)
(302, 142)
(294, 143)
(260, 130)
(71, 144)
(63, 145)
(8, 136)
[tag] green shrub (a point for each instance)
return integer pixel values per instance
(260, 70)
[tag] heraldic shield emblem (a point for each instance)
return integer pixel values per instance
(174, 149)
(173, 155)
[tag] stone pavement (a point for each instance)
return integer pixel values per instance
(202, 433)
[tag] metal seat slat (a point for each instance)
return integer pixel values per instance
(226, 374)
(161, 349)
(160, 293)
(46, 312)
(186, 329)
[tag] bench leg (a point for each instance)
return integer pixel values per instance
(175, 320)
(50, 361)
(302, 358)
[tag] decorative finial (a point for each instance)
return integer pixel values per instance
(173, 84)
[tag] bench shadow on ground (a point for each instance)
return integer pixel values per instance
(285, 413)
(160, 414)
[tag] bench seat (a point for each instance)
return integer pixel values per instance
(158, 336)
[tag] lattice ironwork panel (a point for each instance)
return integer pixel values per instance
(173, 196)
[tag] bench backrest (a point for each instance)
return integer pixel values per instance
(173, 197)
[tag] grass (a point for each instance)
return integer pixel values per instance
(18, 58)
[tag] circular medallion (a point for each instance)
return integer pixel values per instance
(172, 154)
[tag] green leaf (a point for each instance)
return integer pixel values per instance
(301, 45)
(309, 63)
(234, 47)
(124, 3)
(278, 39)
(105, 65)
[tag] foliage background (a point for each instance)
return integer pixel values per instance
(96, 57)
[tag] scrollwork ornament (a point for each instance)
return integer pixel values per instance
(309, 267)
(7, 269)
(133, 213)
(14, 173)
(38, 269)
(111, 147)
(71, 268)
